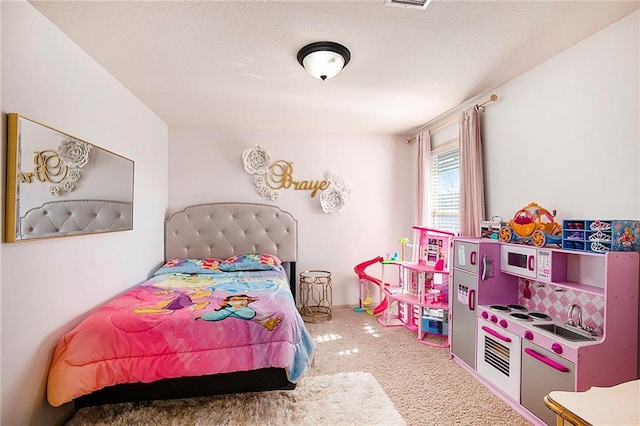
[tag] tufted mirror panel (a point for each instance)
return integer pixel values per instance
(76, 217)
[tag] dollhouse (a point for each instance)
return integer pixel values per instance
(419, 300)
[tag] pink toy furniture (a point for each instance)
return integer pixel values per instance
(420, 300)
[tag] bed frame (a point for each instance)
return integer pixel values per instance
(217, 230)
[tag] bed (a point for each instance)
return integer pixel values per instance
(219, 316)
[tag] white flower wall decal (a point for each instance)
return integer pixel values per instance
(75, 155)
(256, 160)
(261, 183)
(333, 199)
(73, 175)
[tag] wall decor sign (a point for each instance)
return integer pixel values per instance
(60, 185)
(269, 177)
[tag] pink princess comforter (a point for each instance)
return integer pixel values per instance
(187, 320)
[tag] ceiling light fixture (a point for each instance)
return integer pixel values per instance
(324, 59)
(410, 4)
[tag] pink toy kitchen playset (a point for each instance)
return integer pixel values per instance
(530, 320)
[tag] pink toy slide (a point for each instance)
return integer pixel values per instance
(362, 275)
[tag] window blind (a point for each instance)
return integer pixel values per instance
(445, 190)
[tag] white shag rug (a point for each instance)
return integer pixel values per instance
(353, 398)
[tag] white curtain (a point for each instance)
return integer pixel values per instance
(424, 175)
(472, 208)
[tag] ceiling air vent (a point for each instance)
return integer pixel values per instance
(409, 4)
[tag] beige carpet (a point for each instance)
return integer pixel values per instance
(339, 399)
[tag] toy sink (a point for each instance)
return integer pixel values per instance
(563, 332)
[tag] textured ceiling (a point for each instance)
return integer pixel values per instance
(233, 64)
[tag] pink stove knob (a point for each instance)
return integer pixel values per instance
(528, 335)
(556, 348)
(485, 315)
(503, 323)
(494, 318)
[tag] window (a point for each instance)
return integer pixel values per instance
(444, 203)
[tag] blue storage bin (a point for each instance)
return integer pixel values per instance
(432, 325)
(601, 236)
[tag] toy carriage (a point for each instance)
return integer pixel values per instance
(532, 224)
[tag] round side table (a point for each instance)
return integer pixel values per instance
(315, 295)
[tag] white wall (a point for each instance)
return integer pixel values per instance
(566, 134)
(49, 285)
(206, 166)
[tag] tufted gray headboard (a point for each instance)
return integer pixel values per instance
(68, 217)
(221, 230)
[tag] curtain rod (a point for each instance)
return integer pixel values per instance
(492, 98)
